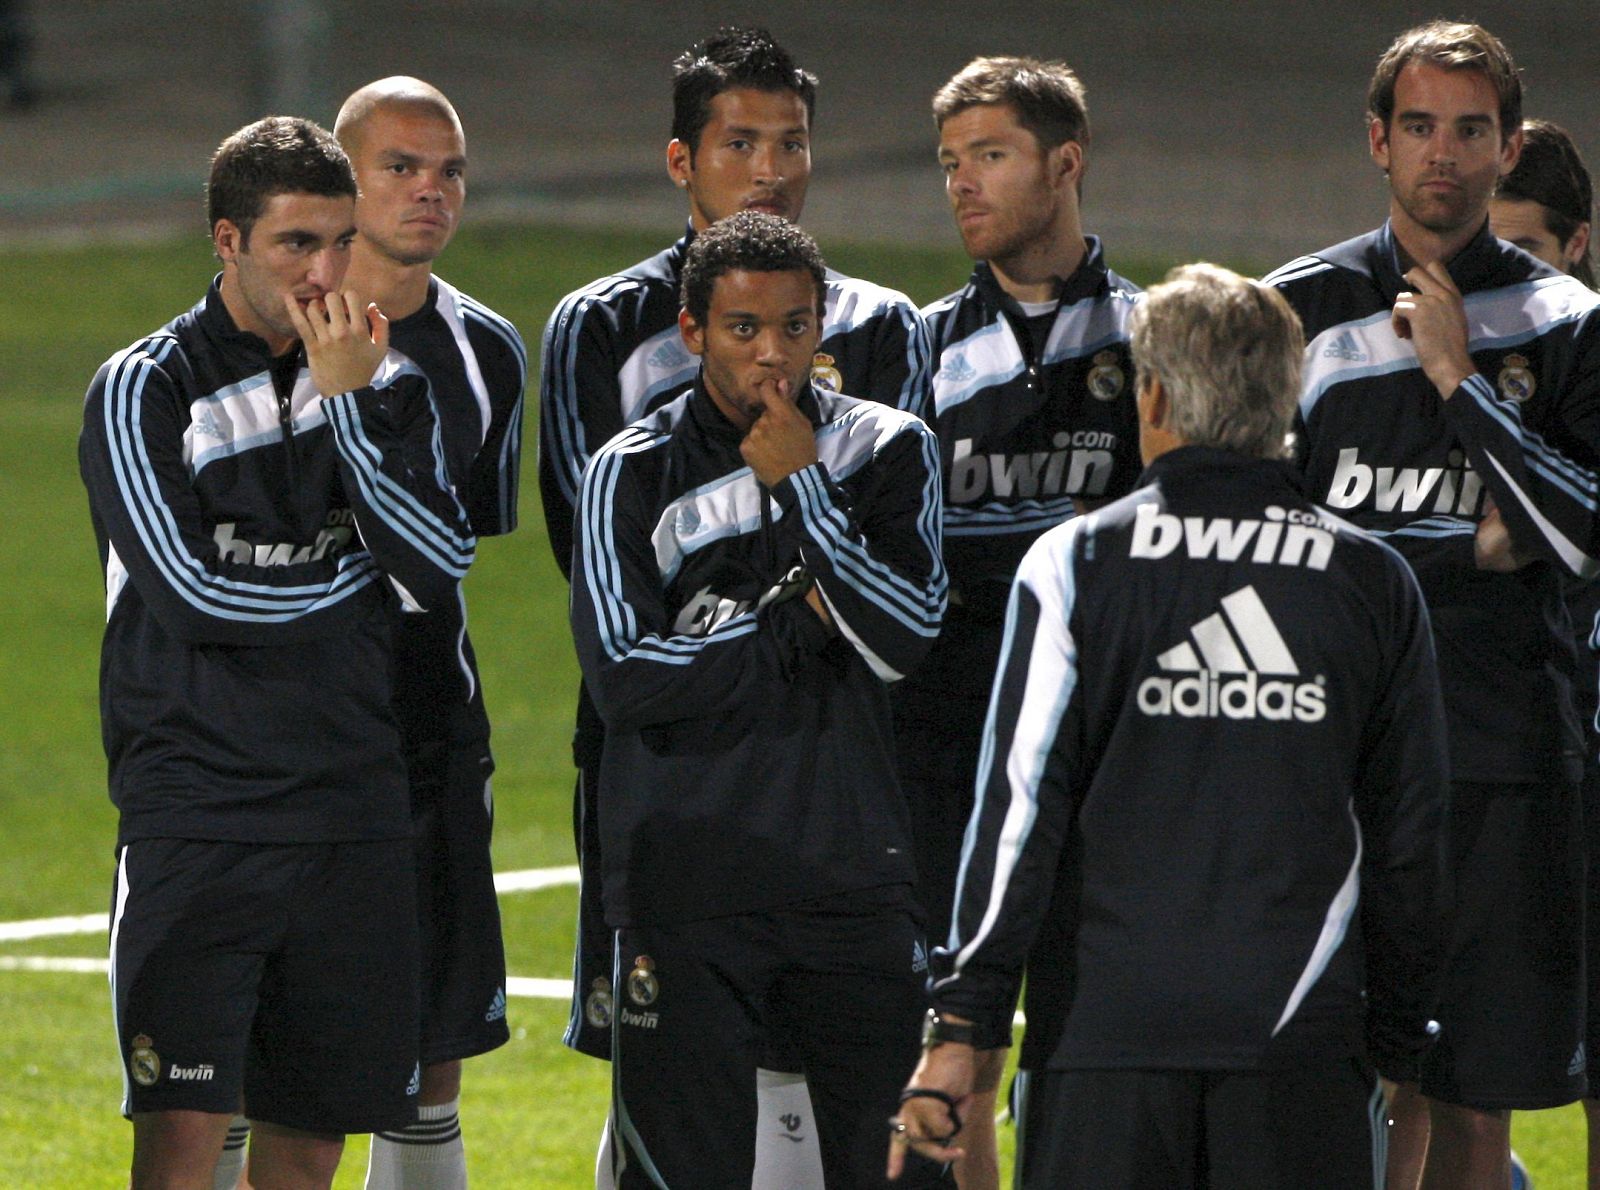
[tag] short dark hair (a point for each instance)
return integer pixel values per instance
(733, 56)
(1449, 45)
(277, 155)
(750, 241)
(1047, 97)
(1551, 173)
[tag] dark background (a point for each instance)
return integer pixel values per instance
(1232, 131)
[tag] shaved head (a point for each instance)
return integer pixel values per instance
(396, 93)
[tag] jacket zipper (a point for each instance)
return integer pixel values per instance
(766, 531)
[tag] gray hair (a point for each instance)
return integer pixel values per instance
(1227, 351)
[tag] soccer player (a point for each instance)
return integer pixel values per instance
(755, 561)
(1452, 403)
(612, 352)
(1215, 759)
(410, 158)
(1035, 419)
(264, 483)
(1545, 206)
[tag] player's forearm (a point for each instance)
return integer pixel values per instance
(646, 679)
(409, 517)
(1548, 500)
(204, 583)
(886, 589)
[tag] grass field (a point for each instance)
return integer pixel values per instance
(531, 1109)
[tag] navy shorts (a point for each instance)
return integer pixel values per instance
(463, 953)
(1315, 1126)
(589, 1016)
(1511, 1004)
(835, 980)
(282, 977)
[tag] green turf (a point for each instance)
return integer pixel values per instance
(532, 1109)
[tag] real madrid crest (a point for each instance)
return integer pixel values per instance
(1516, 380)
(143, 1063)
(642, 986)
(824, 374)
(597, 1005)
(1106, 379)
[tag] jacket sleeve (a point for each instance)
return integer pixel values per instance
(392, 463)
(901, 351)
(878, 567)
(1402, 795)
(153, 535)
(492, 483)
(1543, 478)
(580, 409)
(640, 670)
(1028, 786)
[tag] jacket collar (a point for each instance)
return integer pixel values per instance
(1087, 280)
(1184, 461)
(680, 250)
(1475, 267)
(218, 325)
(714, 424)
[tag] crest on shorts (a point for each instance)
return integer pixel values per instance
(1106, 379)
(597, 1004)
(144, 1064)
(824, 374)
(1517, 382)
(643, 987)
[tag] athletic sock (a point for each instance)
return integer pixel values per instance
(231, 1164)
(787, 1155)
(426, 1156)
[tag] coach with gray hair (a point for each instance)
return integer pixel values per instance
(1214, 759)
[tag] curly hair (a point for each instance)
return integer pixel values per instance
(751, 241)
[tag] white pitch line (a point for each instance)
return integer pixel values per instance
(533, 879)
(52, 927)
(526, 880)
(40, 963)
(516, 985)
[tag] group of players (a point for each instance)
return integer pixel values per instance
(1215, 818)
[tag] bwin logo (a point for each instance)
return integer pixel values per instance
(1080, 465)
(1223, 639)
(1344, 347)
(1453, 488)
(284, 553)
(203, 1073)
(1305, 541)
(642, 1020)
(707, 610)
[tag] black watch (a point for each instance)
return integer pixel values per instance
(936, 1030)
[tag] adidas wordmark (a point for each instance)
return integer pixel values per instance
(1239, 639)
